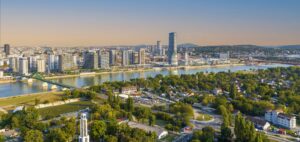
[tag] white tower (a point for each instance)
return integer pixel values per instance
(84, 136)
(172, 51)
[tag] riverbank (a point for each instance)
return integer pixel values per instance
(7, 81)
(9, 103)
(145, 69)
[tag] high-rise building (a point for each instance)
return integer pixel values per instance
(66, 62)
(7, 49)
(41, 65)
(186, 58)
(23, 66)
(14, 64)
(159, 48)
(125, 58)
(112, 57)
(130, 57)
(142, 56)
(84, 136)
(104, 60)
(172, 51)
(91, 60)
(52, 62)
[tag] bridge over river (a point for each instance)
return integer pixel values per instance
(40, 77)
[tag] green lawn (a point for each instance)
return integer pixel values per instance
(161, 123)
(55, 111)
(30, 99)
(204, 117)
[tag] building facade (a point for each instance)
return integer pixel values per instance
(91, 60)
(7, 49)
(172, 50)
(104, 60)
(23, 66)
(281, 119)
(142, 56)
(41, 65)
(84, 136)
(66, 62)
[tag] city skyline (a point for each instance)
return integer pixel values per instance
(104, 23)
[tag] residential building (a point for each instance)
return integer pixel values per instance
(104, 60)
(125, 58)
(172, 50)
(159, 48)
(41, 65)
(186, 58)
(23, 66)
(66, 62)
(141, 56)
(259, 123)
(91, 60)
(281, 119)
(112, 57)
(14, 64)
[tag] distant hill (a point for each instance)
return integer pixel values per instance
(188, 45)
(290, 47)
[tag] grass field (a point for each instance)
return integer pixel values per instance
(55, 111)
(30, 99)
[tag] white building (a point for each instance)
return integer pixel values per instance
(1, 74)
(84, 136)
(41, 65)
(160, 132)
(23, 66)
(280, 119)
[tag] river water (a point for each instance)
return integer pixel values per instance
(20, 88)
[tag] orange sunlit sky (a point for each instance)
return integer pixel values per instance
(133, 22)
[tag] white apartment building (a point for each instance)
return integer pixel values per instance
(281, 119)
(41, 65)
(23, 66)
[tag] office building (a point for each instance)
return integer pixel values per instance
(91, 60)
(104, 60)
(41, 65)
(83, 136)
(125, 58)
(172, 50)
(7, 49)
(23, 66)
(135, 57)
(141, 56)
(66, 62)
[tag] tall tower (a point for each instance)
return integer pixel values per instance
(159, 48)
(172, 51)
(23, 66)
(84, 136)
(7, 49)
(142, 56)
(125, 58)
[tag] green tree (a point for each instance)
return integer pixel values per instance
(129, 105)
(57, 135)
(33, 136)
(152, 120)
(233, 91)
(226, 134)
(208, 134)
(98, 129)
(2, 138)
(244, 130)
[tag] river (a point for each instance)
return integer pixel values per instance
(20, 88)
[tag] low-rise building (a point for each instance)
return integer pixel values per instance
(281, 119)
(129, 90)
(160, 132)
(259, 123)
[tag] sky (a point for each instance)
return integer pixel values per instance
(134, 22)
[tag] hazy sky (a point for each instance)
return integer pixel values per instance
(131, 22)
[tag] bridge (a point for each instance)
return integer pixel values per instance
(40, 77)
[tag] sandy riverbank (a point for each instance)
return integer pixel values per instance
(7, 81)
